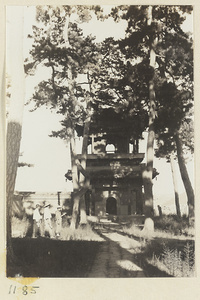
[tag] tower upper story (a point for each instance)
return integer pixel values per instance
(113, 148)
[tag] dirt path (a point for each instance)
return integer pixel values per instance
(117, 257)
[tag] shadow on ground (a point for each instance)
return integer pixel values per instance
(43, 257)
(156, 245)
(119, 262)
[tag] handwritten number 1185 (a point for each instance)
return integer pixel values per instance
(25, 289)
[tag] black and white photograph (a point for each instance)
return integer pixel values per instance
(99, 114)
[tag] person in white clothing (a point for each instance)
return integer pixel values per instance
(58, 219)
(37, 222)
(48, 221)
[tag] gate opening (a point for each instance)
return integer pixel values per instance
(111, 206)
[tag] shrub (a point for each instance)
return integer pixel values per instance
(174, 262)
(19, 227)
(174, 225)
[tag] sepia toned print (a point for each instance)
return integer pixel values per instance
(100, 141)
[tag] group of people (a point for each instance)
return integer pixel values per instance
(48, 224)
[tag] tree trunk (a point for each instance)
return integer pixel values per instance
(82, 181)
(174, 176)
(2, 143)
(14, 124)
(76, 198)
(184, 175)
(75, 180)
(148, 173)
(85, 182)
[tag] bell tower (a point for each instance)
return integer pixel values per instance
(115, 168)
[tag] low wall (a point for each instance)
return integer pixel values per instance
(25, 203)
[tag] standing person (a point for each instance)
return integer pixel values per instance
(58, 221)
(47, 221)
(36, 222)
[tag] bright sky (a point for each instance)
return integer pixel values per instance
(50, 156)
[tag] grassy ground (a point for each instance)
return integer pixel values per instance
(24, 228)
(171, 248)
(169, 226)
(169, 252)
(173, 225)
(70, 256)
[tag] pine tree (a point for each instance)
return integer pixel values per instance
(60, 46)
(152, 38)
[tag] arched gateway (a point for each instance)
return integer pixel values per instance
(111, 206)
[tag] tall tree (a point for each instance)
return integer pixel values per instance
(167, 147)
(60, 46)
(175, 61)
(176, 101)
(149, 31)
(139, 45)
(184, 174)
(148, 173)
(14, 122)
(119, 87)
